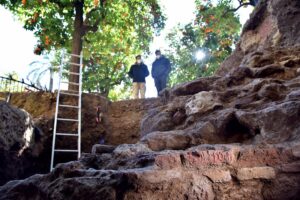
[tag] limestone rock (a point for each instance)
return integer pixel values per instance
(296, 151)
(127, 150)
(159, 120)
(16, 127)
(218, 176)
(100, 148)
(256, 173)
(293, 167)
(267, 28)
(20, 143)
(283, 187)
(158, 141)
(193, 87)
(202, 102)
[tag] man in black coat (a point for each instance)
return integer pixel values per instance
(138, 72)
(161, 68)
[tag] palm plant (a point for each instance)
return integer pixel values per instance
(40, 70)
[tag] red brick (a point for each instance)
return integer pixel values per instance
(209, 157)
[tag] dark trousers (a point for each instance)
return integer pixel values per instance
(160, 83)
(254, 2)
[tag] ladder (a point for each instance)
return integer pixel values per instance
(60, 106)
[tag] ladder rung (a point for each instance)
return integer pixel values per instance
(69, 94)
(73, 73)
(73, 91)
(65, 150)
(71, 83)
(75, 55)
(68, 106)
(65, 119)
(67, 134)
(71, 63)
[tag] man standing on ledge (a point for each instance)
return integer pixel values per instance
(161, 68)
(138, 72)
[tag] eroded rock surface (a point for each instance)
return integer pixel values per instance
(201, 172)
(120, 123)
(20, 144)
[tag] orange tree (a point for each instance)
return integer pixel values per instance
(214, 32)
(98, 27)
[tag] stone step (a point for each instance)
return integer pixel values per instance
(101, 148)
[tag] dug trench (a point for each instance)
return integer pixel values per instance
(120, 124)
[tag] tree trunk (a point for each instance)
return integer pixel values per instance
(105, 93)
(76, 43)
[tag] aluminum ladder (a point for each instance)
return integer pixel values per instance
(59, 106)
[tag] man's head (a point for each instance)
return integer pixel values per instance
(138, 59)
(158, 54)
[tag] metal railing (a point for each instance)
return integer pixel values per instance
(9, 85)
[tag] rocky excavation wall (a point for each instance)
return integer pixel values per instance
(120, 124)
(235, 135)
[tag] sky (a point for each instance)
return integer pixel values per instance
(17, 44)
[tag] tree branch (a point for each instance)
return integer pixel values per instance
(241, 5)
(94, 27)
(89, 15)
(236, 9)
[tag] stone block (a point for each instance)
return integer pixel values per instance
(256, 173)
(218, 175)
(209, 157)
(168, 161)
(202, 102)
(291, 167)
(296, 151)
(100, 148)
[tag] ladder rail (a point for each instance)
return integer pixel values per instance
(58, 105)
(79, 102)
(56, 115)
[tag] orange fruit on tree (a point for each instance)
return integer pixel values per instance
(24, 2)
(96, 2)
(208, 30)
(47, 40)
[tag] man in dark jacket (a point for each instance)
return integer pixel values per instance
(161, 68)
(138, 72)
